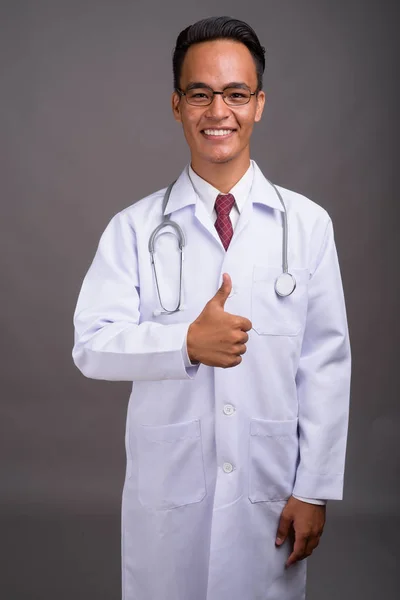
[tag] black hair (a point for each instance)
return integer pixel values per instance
(216, 28)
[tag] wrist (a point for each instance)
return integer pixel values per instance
(189, 345)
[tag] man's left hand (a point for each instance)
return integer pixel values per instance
(304, 523)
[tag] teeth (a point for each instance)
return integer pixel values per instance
(217, 131)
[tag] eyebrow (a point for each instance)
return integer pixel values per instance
(232, 84)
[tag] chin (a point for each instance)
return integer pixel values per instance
(221, 160)
(220, 157)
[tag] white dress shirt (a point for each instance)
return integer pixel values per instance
(207, 194)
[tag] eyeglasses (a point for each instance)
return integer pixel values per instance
(203, 96)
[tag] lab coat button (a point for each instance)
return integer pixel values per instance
(229, 409)
(227, 467)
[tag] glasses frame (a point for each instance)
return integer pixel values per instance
(182, 93)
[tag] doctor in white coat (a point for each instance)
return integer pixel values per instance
(237, 422)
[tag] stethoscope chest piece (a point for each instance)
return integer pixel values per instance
(285, 284)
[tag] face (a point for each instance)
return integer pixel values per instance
(217, 64)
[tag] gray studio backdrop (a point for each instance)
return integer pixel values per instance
(86, 129)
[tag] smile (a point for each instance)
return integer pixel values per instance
(209, 133)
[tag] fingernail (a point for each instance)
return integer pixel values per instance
(278, 541)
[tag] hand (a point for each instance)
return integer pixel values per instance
(217, 338)
(305, 523)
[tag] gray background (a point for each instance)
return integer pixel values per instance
(86, 129)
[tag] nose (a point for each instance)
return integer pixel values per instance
(217, 109)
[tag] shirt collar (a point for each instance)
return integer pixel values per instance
(184, 194)
(208, 193)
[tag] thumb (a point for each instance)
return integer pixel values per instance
(283, 529)
(224, 291)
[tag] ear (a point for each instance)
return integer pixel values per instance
(260, 99)
(176, 106)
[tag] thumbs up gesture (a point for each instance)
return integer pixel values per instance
(217, 338)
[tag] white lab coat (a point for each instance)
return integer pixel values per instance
(213, 454)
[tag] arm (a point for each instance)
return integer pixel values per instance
(323, 381)
(323, 385)
(109, 341)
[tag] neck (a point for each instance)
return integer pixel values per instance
(222, 176)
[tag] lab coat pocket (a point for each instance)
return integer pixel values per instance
(276, 315)
(170, 465)
(273, 457)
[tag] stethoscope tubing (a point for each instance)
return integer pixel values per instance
(284, 285)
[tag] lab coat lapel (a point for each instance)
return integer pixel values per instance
(243, 220)
(183, 194)
(262, 191)
(205, 220)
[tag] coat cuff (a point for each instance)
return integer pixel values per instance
(191, 368)
(310, 500)
(318, 485)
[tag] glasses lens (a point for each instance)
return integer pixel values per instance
(236, 96)
(199, 97)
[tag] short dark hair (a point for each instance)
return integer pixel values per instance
(216, 28)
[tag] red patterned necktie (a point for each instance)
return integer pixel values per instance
(223, 224)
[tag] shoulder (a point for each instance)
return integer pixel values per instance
(302, 206)
(310, 220)
(145, 213)
(125, 225)
(299, 208)
(144, 208)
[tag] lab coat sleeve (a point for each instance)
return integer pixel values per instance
(186, 359)
(323, 381)
(191, 367)
(110, 341)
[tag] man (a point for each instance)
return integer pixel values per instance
(237, 422)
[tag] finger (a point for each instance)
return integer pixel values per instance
(234, 362)
(246, 324)
(242, 337)
(239, 337)
(242, 323)
(311, 545)
(240, 349)
(299, 550)
(224, 291)
(283, 529)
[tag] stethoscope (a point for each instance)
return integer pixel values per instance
(285, 283)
